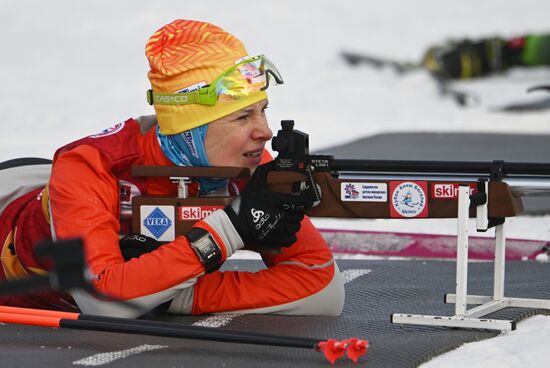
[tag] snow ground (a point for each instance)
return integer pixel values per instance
(70, 69)
(520, 348)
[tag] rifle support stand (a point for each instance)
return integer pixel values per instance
(471, 318)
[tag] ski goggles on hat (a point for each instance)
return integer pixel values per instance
(249, 76)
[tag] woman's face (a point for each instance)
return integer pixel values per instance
(238, 139)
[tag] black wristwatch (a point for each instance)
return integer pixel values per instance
(206, 248)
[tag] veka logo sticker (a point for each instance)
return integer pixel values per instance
(158, 222)
(408, 199)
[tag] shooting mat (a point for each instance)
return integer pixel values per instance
(374, 290)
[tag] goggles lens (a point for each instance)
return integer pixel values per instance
(249, 76)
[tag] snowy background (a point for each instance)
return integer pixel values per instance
(70, 69)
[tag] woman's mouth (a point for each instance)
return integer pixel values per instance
(253, 154)
(255, 157)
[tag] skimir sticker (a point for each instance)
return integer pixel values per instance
(109, 131)
(449, 190)
(363, 192)
(408, 199)
(158, 222)
(195, 213)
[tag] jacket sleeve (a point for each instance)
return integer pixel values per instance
(302, 280)
(84, 202)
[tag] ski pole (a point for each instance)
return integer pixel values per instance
(331, 348)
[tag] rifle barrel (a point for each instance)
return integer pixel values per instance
(506, 169)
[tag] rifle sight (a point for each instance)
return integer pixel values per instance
(290, 143)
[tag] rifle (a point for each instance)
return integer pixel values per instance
(347, 188)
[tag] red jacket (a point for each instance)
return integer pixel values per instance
(85, 201)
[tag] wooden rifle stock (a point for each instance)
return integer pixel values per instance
(184, 212)
(502, 202)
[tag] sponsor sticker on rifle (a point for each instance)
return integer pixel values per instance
(363, 192)
(158, 222)
(195, 213)
(408, 199)
(449, 190)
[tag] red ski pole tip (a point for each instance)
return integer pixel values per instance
(332, 349)
(356, 348)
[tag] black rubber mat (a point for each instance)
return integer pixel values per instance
(374, 290)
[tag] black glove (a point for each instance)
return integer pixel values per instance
(134, 245)
(267, 218)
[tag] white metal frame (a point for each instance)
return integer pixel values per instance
(470, 318)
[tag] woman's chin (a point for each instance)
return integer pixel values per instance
(252, 162)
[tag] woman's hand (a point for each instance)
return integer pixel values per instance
(267, 219)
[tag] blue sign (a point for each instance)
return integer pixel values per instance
(157, 223)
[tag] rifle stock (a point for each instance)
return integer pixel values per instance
(502, 202)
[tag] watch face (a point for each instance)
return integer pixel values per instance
(206, 249)
(205, 246)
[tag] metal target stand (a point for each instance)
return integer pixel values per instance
(486, 304)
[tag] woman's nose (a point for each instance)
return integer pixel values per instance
(262, 130)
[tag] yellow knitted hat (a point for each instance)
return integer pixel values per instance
(184, 56)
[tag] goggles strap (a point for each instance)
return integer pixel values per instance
(159, 98)
(202, 96)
